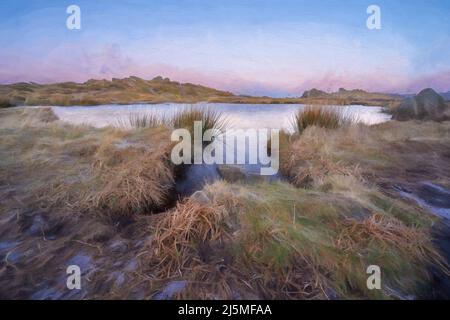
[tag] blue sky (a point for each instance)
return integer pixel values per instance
(276, 47)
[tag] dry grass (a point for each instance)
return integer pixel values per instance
(183, 118)
(275, 241)
(294, 243)
(210, 119)
(189, 224)
(389, 150)
(138, 182)
(320, 116)
(104, 171)
(59, 186)
(142, 120)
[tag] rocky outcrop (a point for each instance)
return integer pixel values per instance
(343, 96)
(427, 105)
(314, 93)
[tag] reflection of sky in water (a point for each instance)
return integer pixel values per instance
(240, 116)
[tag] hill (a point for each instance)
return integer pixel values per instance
(117, 91)
(159, 90)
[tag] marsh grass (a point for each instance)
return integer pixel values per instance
(386, 150)
(210, 119)
(189, 223)
(321, 116)
(138, 120)
(107, 172)
(264, 240)
(281, 242)
(181, 119)
(135, 181)
(315, 237)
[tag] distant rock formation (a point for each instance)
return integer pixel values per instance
(355, 96)
(314, 93)
(427, 105)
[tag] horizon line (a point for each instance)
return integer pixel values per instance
(212, 87)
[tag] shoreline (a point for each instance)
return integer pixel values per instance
(250, 102)
(134, 90)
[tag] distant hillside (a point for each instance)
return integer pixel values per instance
(343, 96)
(158, 90)
(116, 91)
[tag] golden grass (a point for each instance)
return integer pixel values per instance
(138, 182)
(389, 149)
(320, 116)
(184, 118)
(275, 241)
(103, 171)
(210, 119)
(285, 242)
(190, 223)
(138, 120)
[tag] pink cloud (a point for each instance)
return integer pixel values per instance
(110, 62)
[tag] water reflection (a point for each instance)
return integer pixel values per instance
(240, 116)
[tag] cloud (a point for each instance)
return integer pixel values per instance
(74, 63)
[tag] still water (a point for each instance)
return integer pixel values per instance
(240, 116)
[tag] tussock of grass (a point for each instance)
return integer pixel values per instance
(210, 119)
(183, 118)
(142, 120)
(138, 182)
(386, 150)
(289, 243)
(106, 172)
(179, 232)
(320, 116)
(132, 173)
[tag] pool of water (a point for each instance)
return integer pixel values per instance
(240, 116)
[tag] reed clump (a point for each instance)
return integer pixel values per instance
(210, 119)
(141, 120)
(320, 116)
(275, 241)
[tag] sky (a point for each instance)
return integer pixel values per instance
(257, 47)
